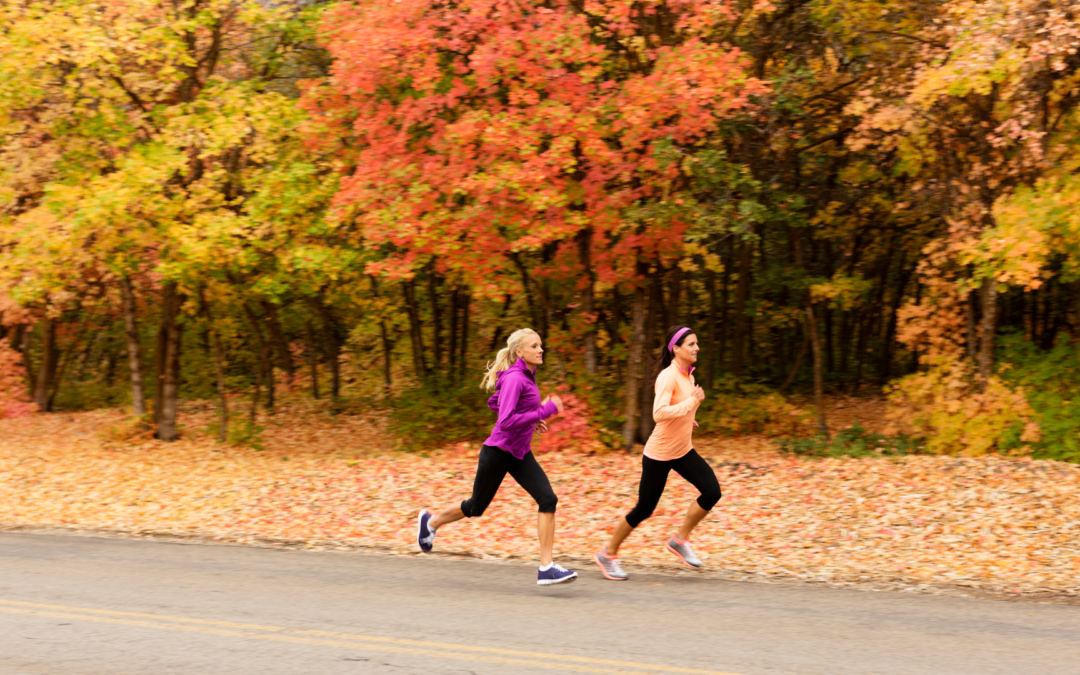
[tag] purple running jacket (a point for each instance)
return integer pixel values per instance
(517, 401)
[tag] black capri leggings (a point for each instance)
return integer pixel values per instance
(654, 473)
(494, 464)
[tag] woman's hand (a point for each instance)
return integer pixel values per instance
(696, 425)
(541, 427)
(556, 400)
(699, 394)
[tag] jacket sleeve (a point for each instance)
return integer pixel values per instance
(509, 420)
(662, 408)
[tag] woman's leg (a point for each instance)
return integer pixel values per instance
(451, 514)
(530, 475)
(698, 473)
(491, 468)
(654, 475)
(545, 532)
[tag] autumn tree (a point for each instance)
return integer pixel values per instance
(134, 132)
(506, 143)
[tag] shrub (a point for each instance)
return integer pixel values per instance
(438, 414)
(750, 409)
(1051, 382)
(947, 408)
(854, 441)
(575, 429)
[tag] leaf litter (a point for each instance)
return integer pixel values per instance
(993, 524)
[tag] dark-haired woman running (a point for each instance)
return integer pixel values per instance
(669, 447)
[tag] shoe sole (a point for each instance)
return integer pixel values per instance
(419, 524)
(679, 556)
(552, 582)
(596, 559)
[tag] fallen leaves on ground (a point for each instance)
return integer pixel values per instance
(1000, 524)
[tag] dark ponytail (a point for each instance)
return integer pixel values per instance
(666, 355)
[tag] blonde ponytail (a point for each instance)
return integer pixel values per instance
(506, 357)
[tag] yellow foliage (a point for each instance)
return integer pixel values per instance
(946, 406)
(752, 412)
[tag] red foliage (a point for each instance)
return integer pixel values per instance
(478, 129)
(14, 401)
(572, 430)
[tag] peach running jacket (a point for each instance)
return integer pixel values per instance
(673, 411)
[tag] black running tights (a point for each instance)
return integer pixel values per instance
(654, 474)
(492, 468)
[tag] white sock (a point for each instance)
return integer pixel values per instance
(545, 568)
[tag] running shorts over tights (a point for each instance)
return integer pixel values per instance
(654, 474)
(492, 468)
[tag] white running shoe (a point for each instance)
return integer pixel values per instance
(609, 566)
(684, 551)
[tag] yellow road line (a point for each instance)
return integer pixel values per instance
(326, 638)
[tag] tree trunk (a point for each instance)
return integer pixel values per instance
(742, 321)
(466, 301)
(452, 335)
(313, 359)
(655, 311)
(819, 379)
(335, 367)
(889, 338)
(633, 367)
(219, 370)
(988, 295)
(526, 285)
(830, 361)
(710, 331)
(277, 337)
(587, 299)
(28, 363)
(131, 333)
(386, 350)
(253, 413)
(1074, 308)
(65, 360)
(170, 389)
(436, 321)
(972, 330)
(167, 296)
(268, 369)
(672, 315)
(419, 364)
(46, 372)
(20, 341)
(266, 362)
(795, 365)
(725, 307)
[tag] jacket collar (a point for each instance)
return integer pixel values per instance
(679, 368)
(521, 366)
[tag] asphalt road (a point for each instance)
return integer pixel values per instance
(93, 606)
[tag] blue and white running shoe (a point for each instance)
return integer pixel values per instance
(556, 574)
(425, 536)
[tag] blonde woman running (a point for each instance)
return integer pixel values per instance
(670, 446)
(508, 450)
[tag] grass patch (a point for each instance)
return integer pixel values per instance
(855, 441)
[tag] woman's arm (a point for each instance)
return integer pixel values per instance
(509, 420)
(662, 408)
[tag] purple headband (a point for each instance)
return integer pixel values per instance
(675, 338)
